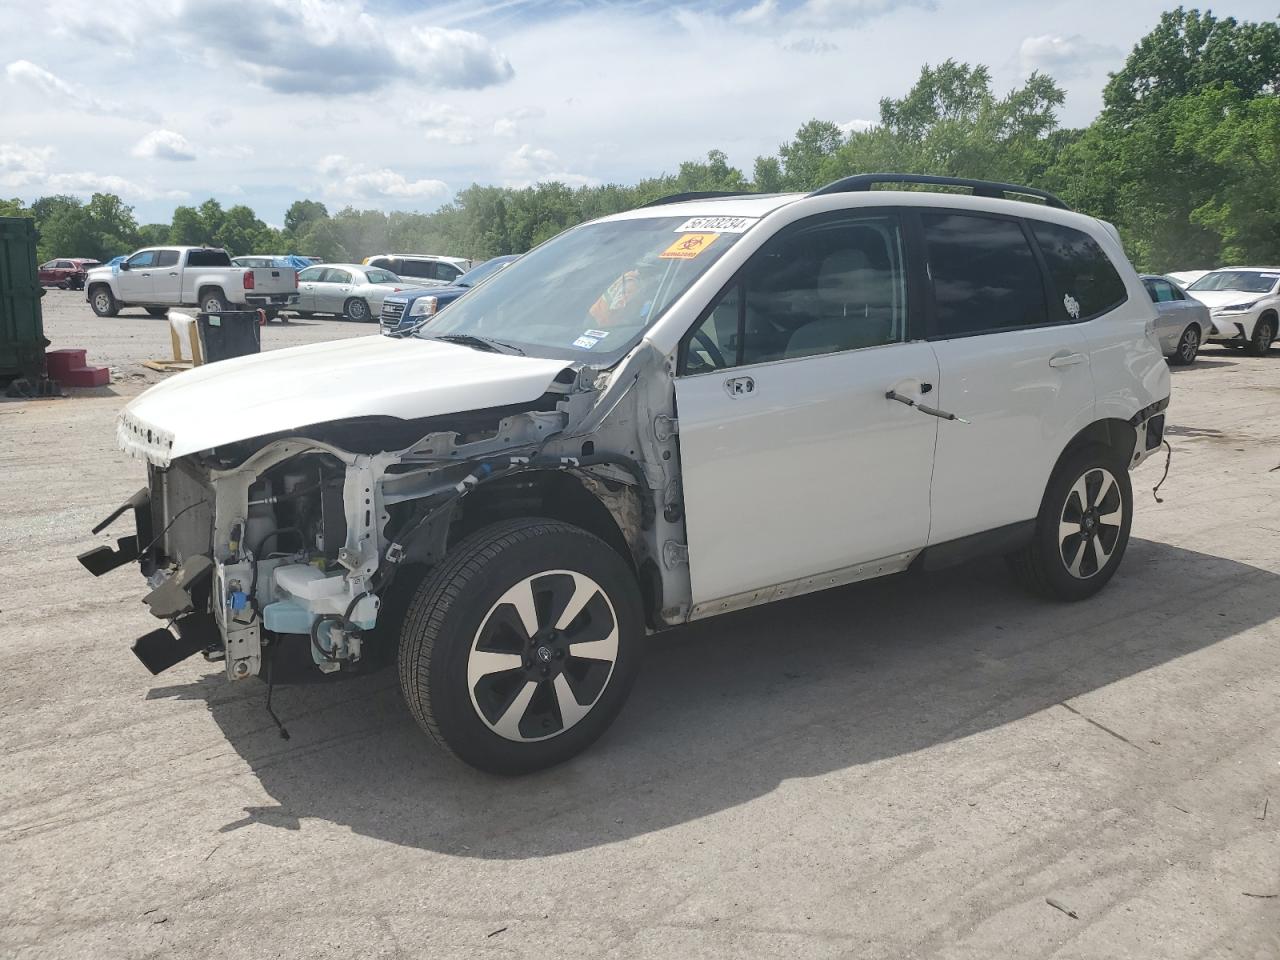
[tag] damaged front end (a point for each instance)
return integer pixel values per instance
(304, 534)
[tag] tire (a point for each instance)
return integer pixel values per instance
(1264, 332)
(1087, 490)
(357, 310)
(64, 286)
(464, 620)
(1184, 354)
(213, 301)
(103, 302)
(157, 311)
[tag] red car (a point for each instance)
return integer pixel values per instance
(66, 274)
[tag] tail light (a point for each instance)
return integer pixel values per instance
(248, 280)
(295, 280)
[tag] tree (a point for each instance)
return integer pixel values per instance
(187, 229)
(14, 208)
(242, 232)
(112, 222)
(211, 216)
(301, 215)
(803, 157)
(153, 234)
(1190, 51)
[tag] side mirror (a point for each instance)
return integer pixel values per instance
(124, 264)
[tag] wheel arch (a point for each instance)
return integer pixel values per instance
(603, 508)
(208, 288)
(1117, 435)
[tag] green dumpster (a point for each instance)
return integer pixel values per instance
(22, 339)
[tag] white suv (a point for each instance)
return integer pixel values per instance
(1244, 304)
(697, 406)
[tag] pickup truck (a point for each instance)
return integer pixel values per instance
(159, 278)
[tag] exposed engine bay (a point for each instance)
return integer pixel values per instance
(305, 533)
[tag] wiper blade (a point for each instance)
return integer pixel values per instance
(480, 343)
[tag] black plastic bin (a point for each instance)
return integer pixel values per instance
(232, 333)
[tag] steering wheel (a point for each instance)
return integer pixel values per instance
(709, 345)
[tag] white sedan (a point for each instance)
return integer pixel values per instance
(1244, 304)
(348, 290)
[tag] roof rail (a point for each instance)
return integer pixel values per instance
(980, 188)
(696, 195)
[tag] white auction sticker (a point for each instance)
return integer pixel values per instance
(717, 225)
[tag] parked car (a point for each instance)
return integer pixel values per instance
(1183, 322)
(656, 417)
(159, 278)
(402, 312)
(425, 269)
(348, 290)
(65, 274)
(1244, 303)
(290, 260)
(1184, 278)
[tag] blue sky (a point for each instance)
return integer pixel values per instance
(397, 104)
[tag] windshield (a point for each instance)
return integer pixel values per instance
(1244, 281)
(590, 292)
(482, 272)
(381, 276)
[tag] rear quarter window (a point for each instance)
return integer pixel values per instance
(1086, 282)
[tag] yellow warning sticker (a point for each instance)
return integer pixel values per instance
(688, 246)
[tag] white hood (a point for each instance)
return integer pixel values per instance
(1214, 299)
(282, 390)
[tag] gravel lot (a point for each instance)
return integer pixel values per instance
(906, 768)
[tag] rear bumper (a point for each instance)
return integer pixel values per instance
(1149, 425)
(271, 299)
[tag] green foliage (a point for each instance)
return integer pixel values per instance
(14, 208)
(1190, 51)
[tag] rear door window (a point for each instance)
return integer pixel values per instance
(166, 258)
(208, 258)
(985, 275)
(332, 275)
(311, 274)
(1086, 282)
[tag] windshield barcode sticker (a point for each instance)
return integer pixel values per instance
(717, 225)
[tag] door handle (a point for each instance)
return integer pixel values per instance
(173, 274)
(923, 408)
(739, 386)
(1067, 359)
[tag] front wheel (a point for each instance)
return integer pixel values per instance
(1264, 331)
(104, 302)
(521, 647)
(357, 310)
(1188, 347)
(1083, 527)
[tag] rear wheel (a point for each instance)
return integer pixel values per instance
(521, 647)
(1083, 527)
(213, 301)
(357, 310)
(1188, 347)
(1264, 331)
(157, 311)
(103, 302)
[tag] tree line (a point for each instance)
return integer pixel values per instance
(1184, 159)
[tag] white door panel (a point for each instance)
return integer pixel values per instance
(803, 466)
(1026, 393)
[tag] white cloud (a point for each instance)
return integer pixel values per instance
(529, 165)
(1063, 56)
(347, 180)
(505, 127)
(304, 46)
(50, 85)
(444, 125)
(856, 126)
(810, 45)
(164, 145)
(30, 170)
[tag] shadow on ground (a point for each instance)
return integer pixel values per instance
(727, 709)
